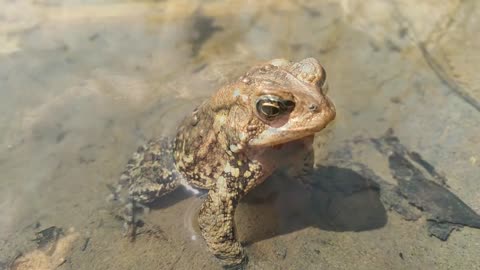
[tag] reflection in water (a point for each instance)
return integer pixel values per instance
(83, 83)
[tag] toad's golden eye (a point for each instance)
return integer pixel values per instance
(270, 107)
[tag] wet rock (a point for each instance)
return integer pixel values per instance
(48, 235)
(441, 230)
(52, 255)
(203, 28)
(426, 189)
(421, 190)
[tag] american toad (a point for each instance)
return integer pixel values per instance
(264, 120)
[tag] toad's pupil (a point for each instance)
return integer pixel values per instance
(289, 105)
(270, 109)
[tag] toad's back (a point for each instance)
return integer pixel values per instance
(199, 149)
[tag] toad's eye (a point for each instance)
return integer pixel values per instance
(270, 107)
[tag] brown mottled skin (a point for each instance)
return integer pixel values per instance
(264, 120)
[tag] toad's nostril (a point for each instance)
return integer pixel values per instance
(312, 107)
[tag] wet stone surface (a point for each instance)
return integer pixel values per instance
(82, 84)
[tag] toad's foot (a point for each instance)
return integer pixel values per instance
(131, 213)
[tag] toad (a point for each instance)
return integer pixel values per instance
(264, 120)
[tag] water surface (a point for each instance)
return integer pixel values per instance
(83, 83)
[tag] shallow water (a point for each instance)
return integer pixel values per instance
(83, 83)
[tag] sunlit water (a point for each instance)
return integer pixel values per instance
(83, 83)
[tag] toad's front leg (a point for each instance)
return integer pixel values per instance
(216, 220)
(216, 216)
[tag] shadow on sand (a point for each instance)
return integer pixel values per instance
(342, 200)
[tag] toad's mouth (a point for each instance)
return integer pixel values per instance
(277, 138)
